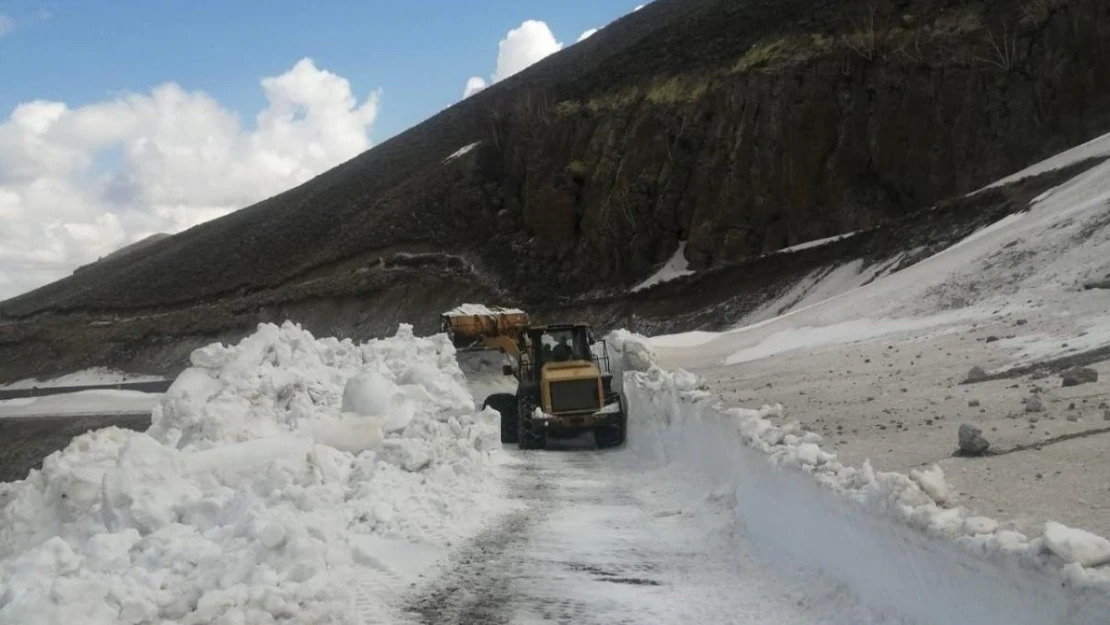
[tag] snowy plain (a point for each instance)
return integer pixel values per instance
(88, 377)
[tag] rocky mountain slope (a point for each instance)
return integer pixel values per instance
(739, 126)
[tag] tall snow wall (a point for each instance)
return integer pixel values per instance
(885, 535)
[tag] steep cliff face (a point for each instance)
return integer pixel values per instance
(805, 135)
(740, 127)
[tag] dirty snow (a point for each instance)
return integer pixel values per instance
(253, 497)
(675, 267)
(86, 377)
(1099, 146)
(815, 243)
(91, 402)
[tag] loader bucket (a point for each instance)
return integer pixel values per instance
(476, 327)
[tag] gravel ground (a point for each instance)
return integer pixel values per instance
(900, 401)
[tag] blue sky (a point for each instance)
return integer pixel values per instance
(419, 52)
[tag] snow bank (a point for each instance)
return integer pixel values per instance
(253, 495)
(887, 536)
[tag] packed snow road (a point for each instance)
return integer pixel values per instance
(597, 538)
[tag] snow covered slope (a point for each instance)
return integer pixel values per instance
(675, 267)
(284, 479)
(1039, 259)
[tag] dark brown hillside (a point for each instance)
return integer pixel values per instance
(740, 126)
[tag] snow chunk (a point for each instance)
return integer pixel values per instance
(979, 525)
(931, 481)
(1076, 545)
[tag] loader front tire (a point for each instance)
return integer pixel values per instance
(612, 433)
(506, 405)
(531, 434)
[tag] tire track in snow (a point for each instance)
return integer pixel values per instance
(598, 542)
(475, 590)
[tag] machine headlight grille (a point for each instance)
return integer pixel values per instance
(571, 395)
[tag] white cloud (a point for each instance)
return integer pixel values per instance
(521, 47)
(473, 85)
(7, 25)
(182, 159)
(586, 34)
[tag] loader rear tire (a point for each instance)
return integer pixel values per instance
(506, 405)
(531, 434)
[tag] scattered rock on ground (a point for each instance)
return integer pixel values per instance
(1106, 415)
(1079, 375)
(1033, 404)
(972, 442)
(974, 403)
(976, 374)
(1097, 284)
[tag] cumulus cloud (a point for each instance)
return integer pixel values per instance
(78, 183)
(586, 34)
(521, 47)
(474, 85)
(7, 25)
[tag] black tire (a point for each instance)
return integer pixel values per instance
(506, 405)
(612, 434)
(531, 434)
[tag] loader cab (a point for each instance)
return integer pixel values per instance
(555, 346)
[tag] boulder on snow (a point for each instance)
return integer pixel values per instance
(1033, 404)
(971, 441)
(1079, 375)
(977, 374)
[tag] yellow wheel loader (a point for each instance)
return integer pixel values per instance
(564, 383)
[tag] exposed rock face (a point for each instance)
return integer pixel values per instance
(976, 374)
(1079, 375)
(740, 127)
